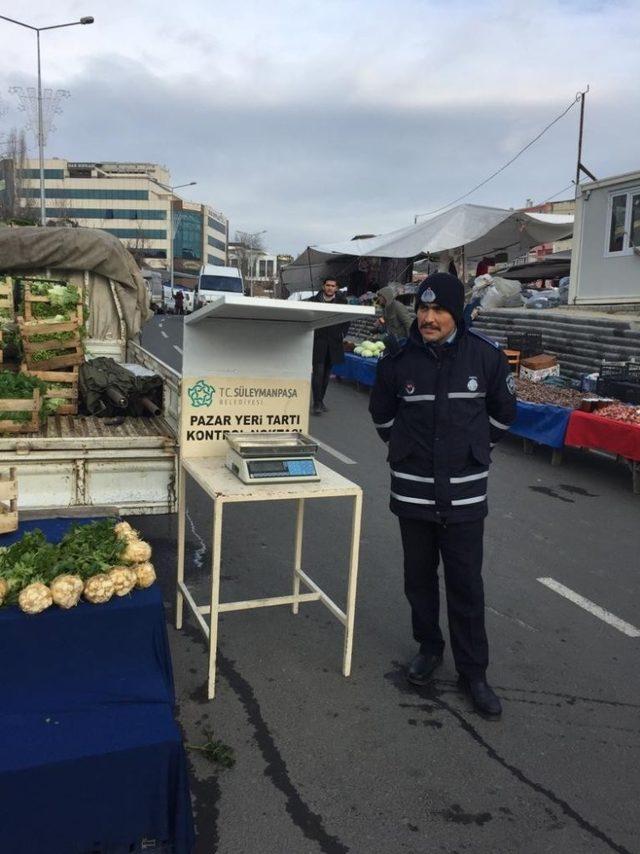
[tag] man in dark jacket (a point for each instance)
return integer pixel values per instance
(327, 346)
(441, 403)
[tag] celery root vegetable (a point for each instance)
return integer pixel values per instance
(4, 589)
(66, 590)
(98, 589)
(124, 531)
(124, 579)
(137, 551)
(35, 597)
(145, 574)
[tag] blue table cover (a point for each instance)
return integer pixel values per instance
(356, 369)
(91, 758)
(541, 423)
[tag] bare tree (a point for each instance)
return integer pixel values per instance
(138, 247)
(247, 246)
(63, 214)
(13, 204)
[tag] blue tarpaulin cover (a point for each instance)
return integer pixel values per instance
(356, 369)
(541, 423)
(91, 758)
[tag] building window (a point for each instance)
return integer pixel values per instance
(213, 259)
(187, 243)
(217, 226)
(104, 213)
(51, 174)
(132, 233)
(219, 244)
(623, 222)
(73, 193)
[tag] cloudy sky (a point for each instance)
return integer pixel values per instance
(319, 120)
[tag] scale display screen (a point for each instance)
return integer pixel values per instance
(281, 468)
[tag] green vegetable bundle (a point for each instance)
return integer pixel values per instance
(90, 559)
(21, 386)
(63, 299)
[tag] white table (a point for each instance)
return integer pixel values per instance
(223, 487)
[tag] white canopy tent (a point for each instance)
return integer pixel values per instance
(475, 229)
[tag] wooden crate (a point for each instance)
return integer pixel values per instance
(70, 393)
(21, 404)
(8, 501)
(6, 299)
(30, 299)
(68, 353)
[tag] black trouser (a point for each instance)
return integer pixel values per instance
(320, 378)
(460, 545)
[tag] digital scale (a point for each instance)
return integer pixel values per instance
(272, 457)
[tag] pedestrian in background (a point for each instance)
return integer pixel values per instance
(441, 403)
(397, 317)
(178, 301)
(328, 348)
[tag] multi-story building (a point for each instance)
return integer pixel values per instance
(260, 269)
(134, 202)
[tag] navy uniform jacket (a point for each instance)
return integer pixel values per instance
(441, 410)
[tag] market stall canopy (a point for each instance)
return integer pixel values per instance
(551, 267)
(480, 230)
(33, 250)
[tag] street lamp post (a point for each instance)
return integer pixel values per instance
(37, 30)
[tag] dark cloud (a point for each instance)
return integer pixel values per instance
(314, 173)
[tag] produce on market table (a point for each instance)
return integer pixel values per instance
(66, 590)
(35, 597)
(550, 394)
(99, 589)
(90, 560)
(145, 574)
(124, 579)
(370, 349)
(620, 412)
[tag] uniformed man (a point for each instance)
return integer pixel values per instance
(441, 403)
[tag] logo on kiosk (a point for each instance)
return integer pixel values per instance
(201, 394)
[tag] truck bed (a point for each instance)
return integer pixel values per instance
(60, 431)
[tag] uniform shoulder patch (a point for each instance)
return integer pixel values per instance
(483, 337)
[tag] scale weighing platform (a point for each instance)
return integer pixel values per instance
(272, 457)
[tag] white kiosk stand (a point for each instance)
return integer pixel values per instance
(246, 368)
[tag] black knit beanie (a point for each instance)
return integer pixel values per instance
(444, 290)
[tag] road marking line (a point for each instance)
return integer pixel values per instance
(163, 333)
(175, 347)
(333, 452)
(591, 607)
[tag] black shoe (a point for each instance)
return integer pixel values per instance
(421, 668)
(323, 408)
(316, 410)
(485, 700)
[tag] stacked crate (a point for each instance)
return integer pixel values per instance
(7, 308)
(60, 369)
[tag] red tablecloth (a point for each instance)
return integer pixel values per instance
(587, 430)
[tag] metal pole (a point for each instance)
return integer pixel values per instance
(40, 137)
(171, 236)
(579, 163)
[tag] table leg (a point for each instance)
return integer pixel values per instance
(352, 583)
(297, 563)
(635, 472)
(527, 446)
(182, 475)
(216, 549)
(556, 457)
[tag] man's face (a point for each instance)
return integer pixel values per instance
(435, 323)
(330, 287)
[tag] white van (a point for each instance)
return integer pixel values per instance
(214, 279)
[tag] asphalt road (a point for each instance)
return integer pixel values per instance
(368, 765)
